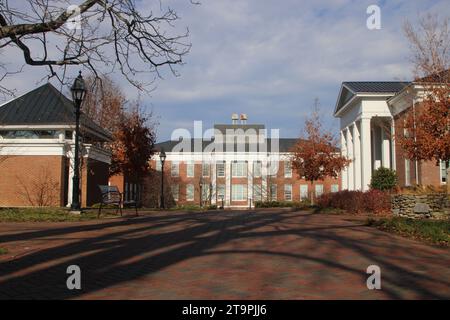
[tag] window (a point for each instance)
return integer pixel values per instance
(239, 169)
(158, 165)
(273, 192)
(272, 168)
(175, 191)
(174, 169)
(205, 169)
(257, 169)
(190, 192)
(205, 191)
(220, 192)
(29, 134)
(287, 169)
(257, 192)
(319, 190)
(69, 135)
(238, 192)
(407, 172)
(220, 169)
(334, 188)
(443, 172)
(288, 192)
(303, 191)
(190, 169)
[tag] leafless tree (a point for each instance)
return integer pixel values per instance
(100, 35)
(42, 191)
(429, 41)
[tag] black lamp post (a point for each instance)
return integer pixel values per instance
(162, 157)
(78, 91)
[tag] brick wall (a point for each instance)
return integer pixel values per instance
(23, 177)
(153, 182)
(428, 171)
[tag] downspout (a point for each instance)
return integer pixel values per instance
(415, 139)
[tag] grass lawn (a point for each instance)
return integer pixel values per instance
(47, 215)
(434, 231)
(3, 251)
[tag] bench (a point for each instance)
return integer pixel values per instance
(112, 196)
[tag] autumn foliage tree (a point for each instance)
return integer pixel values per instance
(315, 156)
(425, 133)
(133, 146)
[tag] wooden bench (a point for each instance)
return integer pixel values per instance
(112, 196)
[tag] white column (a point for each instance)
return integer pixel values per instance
(344, 154)
(227, 183)
(366, 156)
(250, 182)
(385, 152)
(393, 144)
(70, 155)
(264, 184)
(350, 156)
(357, 157)
(213, 171)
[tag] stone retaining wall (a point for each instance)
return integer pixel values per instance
(433, 205)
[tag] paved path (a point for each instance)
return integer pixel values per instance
(223, 255)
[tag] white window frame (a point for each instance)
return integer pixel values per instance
(220, 164)
(176, 172)
(334, 186)
(304, 192)
(238, 195)
(190, 169)
(257, 169)
(407, 172)
(205, 169)
(158, 165)
(316, 187)
(188, 187)
(288, 192)
(239, 172)
(273, 195)
(257, 192)
(442, 172)
(175, 188)
(221, 191)
(287, 169)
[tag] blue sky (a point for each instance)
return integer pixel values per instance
(271, 59)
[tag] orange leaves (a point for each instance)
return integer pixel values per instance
(316, 156)
(133, 146)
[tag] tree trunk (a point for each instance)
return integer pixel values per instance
(312, 193)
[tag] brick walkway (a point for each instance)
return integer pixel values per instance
(231, 255)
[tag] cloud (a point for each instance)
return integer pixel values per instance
(270, 59)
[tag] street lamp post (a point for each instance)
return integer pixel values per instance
(162, 157)
(78, 90)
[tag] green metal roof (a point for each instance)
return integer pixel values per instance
(46, 105)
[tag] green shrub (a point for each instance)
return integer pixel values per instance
(281, 204)
(212, 207)
(3, 251)
(383, 179)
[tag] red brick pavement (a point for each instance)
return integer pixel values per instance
(219, 255)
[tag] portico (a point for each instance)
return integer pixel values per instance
(366, 129)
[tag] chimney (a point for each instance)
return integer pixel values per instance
(243, 118)
(234, 118)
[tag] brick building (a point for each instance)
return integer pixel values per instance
(37, 134)
(239, 165)
(369, 114)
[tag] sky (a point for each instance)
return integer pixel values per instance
(270, 59)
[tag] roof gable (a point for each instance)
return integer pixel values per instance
(350, 89)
